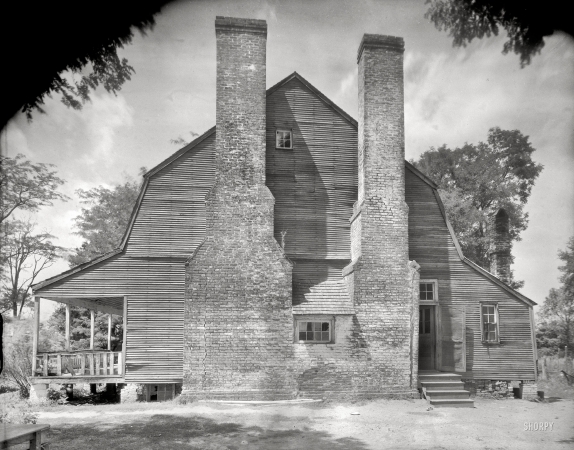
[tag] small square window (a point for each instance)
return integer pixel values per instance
(315, 332)
(489, 323)
(283, 139)
(427, 291)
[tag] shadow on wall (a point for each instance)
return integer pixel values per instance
(168, 431)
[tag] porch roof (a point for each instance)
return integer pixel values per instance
(105, 304)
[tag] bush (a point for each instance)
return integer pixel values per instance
(16, 410)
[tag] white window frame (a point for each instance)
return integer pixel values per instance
(305, 319)
(497, 323)
(434, 301)
(277, 138)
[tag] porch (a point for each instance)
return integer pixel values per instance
(87, 365)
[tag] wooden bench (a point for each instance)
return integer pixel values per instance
(17, 434)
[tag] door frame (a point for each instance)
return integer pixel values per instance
(435, 304)
(434, 335)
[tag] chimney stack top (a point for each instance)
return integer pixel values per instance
(380, 41)
(237, 24)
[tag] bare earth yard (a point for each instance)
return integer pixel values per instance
(394, 424)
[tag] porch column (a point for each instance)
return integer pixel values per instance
(68, 328)
(92, 326)
(36, 333)
(109, 331)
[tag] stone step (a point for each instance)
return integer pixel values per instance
(439, 377)
(442, 385)
(452, 403)
(448, 394)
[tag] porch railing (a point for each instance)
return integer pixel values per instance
(88, 363)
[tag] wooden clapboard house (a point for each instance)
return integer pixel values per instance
(461, 318)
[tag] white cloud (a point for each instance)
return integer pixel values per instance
(102, 117)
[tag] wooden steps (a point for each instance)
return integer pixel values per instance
(445, 390)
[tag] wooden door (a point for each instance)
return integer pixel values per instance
(452, 338)
(426, 338)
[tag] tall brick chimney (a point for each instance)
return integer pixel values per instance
(238, 325)
(500, 258)
(379, 275)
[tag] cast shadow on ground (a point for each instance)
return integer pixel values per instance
(195, 432)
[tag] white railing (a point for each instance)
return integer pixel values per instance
(85, 363)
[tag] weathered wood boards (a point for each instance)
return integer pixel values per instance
(460, 285)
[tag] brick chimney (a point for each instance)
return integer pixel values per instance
(500, 258)
(238, 325)
(379, 273)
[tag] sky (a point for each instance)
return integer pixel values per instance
(452, 96)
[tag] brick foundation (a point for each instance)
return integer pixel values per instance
(131, 393)
(528, 390)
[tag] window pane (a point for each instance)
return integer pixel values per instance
(309, 326)
(310, 336)
(325, 336)
(325, 326)
(287, 142)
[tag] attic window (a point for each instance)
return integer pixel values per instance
(284, 139)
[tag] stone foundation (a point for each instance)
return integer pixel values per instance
(502, 389)
(498, 389)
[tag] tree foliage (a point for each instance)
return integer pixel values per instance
(80, 329)
(104, 220)
(27, 186)
(567, 277)
(525, 23)
(25, 255)
(58, 48)
(475, 181)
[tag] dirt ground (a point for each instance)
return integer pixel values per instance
(393, 424)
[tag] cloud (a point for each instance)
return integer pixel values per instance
(102, 117)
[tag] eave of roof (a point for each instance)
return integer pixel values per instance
(473, 265)
(74, 270)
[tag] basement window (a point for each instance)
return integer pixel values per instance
(314, 331)
(284, 139)
(489, 323)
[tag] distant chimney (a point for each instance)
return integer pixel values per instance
(500, 247)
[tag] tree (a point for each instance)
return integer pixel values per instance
(26, 255)
(475, 181)
(103, 223)
(18, 355)
(567, 278)
(80, 328)
(556, 327)
(47, 40)
(526, 23)
(27, 186)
